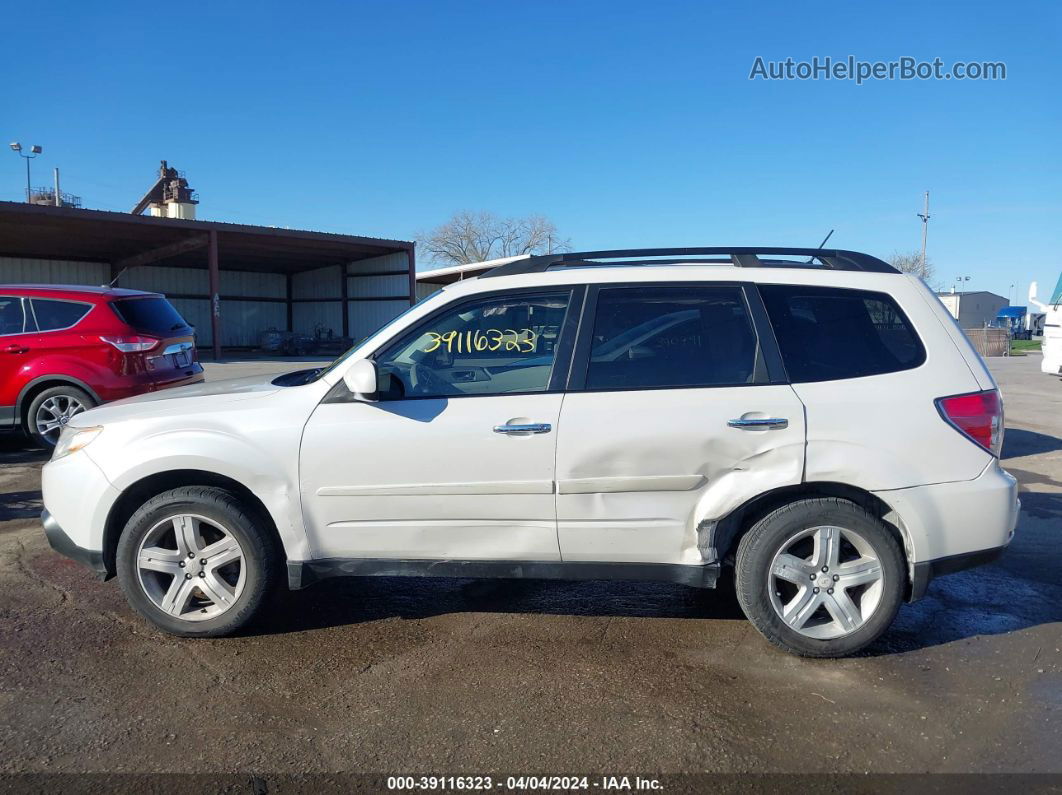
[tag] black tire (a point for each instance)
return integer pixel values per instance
(759, 546)
(261, 558)
(61, 394)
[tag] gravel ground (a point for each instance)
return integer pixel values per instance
(455, 676)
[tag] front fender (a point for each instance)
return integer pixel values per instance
(270, 471)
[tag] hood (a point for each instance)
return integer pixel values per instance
(203, 397)
(230, 386)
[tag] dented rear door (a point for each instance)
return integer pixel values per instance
(671, 421)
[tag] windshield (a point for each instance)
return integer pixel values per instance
(358, 346)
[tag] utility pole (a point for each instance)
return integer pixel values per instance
(924, 215)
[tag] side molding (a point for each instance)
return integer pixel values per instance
(303, 573)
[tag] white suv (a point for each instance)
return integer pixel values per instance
(811, 419)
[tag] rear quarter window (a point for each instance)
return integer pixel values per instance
(828, 333)
(151, 315)
(55, 315)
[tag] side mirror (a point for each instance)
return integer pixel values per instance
(361, 379)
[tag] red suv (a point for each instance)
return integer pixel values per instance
(66, 349)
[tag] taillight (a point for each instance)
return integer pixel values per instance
(131, 344)
(977, 415)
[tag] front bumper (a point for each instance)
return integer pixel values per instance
(78, 498)
(64, 545)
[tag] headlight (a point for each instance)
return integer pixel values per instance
(73, 439)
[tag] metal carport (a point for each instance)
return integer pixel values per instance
(231, 280)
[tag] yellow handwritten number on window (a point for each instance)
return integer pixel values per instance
(522, 341)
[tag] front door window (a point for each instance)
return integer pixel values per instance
(493, 346)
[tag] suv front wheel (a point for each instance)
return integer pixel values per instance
(194, 562)
(820, 577)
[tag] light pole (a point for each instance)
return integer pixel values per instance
(961, 280)
(924, 215)
(34, 151)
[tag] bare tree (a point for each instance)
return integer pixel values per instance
(480, 236)
(911, 262)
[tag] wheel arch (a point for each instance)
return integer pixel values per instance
(151, 485)
(728, 531)
(43, 382)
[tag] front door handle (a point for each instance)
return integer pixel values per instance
(755, 423)
(531, 427)
(15, 349)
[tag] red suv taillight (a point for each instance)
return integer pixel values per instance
(977, 415)
(133, 343)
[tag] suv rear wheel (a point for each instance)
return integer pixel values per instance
(820, 577)
(194, 562)
(51, 410)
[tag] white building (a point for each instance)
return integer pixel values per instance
(974, 309)
(430, 281)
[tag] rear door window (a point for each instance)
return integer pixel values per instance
(55, 315)
(12, 319)
(828, 333)
(656, 337)
(152, 315)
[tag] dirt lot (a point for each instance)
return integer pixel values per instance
(441, 676)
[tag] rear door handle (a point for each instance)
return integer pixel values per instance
(758, 422)
(532, 427)
(15, 349)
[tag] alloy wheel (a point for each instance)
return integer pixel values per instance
(191, 567)
(826, 582)
(54, 414)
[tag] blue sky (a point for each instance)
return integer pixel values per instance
(628, 124)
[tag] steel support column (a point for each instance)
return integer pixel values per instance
(215, 290)
(291, 319)
(411, 258)
(345, 298)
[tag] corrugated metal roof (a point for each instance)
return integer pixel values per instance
(456, 273)
(66, 233)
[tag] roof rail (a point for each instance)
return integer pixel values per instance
(742, 257)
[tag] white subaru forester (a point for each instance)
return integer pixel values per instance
(811, 419)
